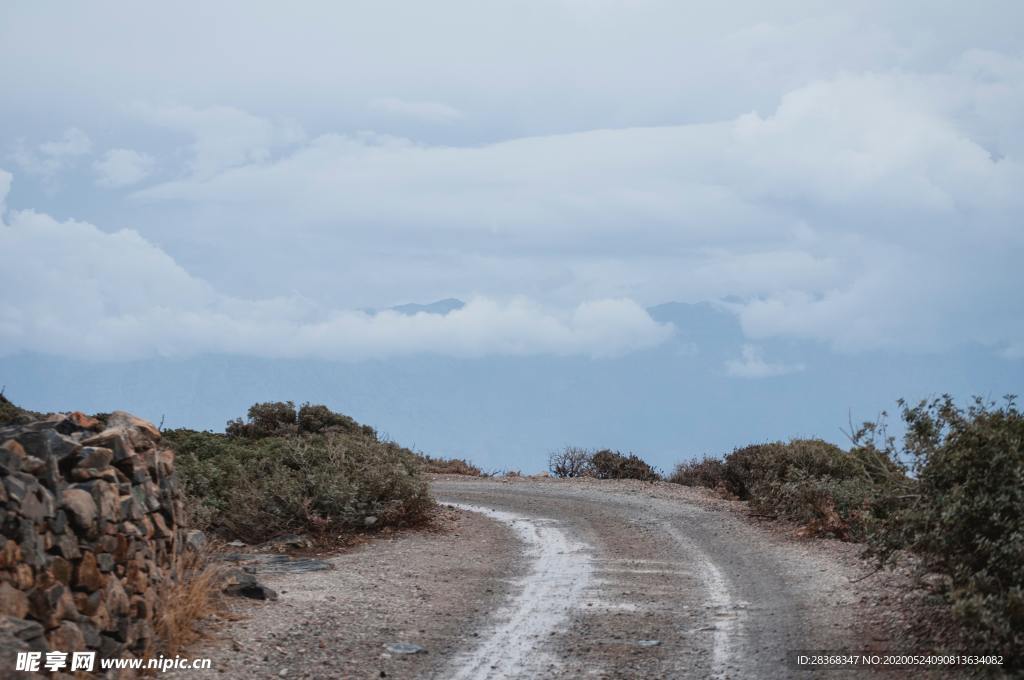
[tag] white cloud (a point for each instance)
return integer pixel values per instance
(49, 158)
(223, 136)
(123, 167)
(428, 111)
(863, 211)
(115, 296)
(752, 364)
(73, 143)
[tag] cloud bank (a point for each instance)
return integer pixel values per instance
(86, 293)
(868, 211)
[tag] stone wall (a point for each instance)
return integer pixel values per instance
(90, 535)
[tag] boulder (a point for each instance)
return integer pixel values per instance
(80, 505)
(13, 602)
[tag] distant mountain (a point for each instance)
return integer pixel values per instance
(670, 402)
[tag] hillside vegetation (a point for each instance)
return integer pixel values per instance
(573, 461)
(951, 493)
(307, 470)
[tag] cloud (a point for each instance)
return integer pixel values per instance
(123, 167)
(80, 292)
(752, 364)
(49, 158)
(223, 136)
(427, 111)
(864, 211)
(73, 143)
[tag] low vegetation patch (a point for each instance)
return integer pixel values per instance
(450, 466)
(12, 414)
(603, 464)
(707, 472)
(951, 493)
(307, 470)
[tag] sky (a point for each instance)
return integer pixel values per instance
(241, 181)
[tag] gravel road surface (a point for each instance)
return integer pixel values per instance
(670, 586)
(543, 578)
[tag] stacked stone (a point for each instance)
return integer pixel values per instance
(90, 534)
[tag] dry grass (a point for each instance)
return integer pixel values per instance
(187, 600)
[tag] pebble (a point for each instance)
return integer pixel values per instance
(404, 648)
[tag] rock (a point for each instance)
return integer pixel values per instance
(369, 521)
(29, 632)
(13, 602)
(38, 504)
(61, 570)
(244, 584)
(128, 421)
(10, 554)
(59, 522)
(236, 544)
(84, 422)
(107, 500)
(290, 541)
(404, 648)
(67, 638)
(18, 484)
(105, 561)
(66, 545)
(47, 443)
(160, 528)
(87, 573)
(130, 508)
(81, 506)
(195, 540)
(115, 439)
(12, 455)
(96, 457)
(88, 534)
(50, 604)
(31, 544)
(116, 599)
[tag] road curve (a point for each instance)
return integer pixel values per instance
(652, 583)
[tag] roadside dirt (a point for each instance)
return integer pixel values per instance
(541, 578)
(423, 588)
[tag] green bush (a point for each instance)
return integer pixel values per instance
(811, 481)
(252, 485)
(964, 515)
(607, 464)
(708, 472)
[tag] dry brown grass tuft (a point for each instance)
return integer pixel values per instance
(188, 600)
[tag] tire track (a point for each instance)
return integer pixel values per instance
(559, 574)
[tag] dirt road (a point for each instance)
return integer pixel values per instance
(654, 583)
(558, 579)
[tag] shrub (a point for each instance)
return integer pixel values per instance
(12, 414)
(255, 486)
(810, 481)
(450, 466)
(572, 461)
(965, 513)
(708, 472)
(607, 464)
